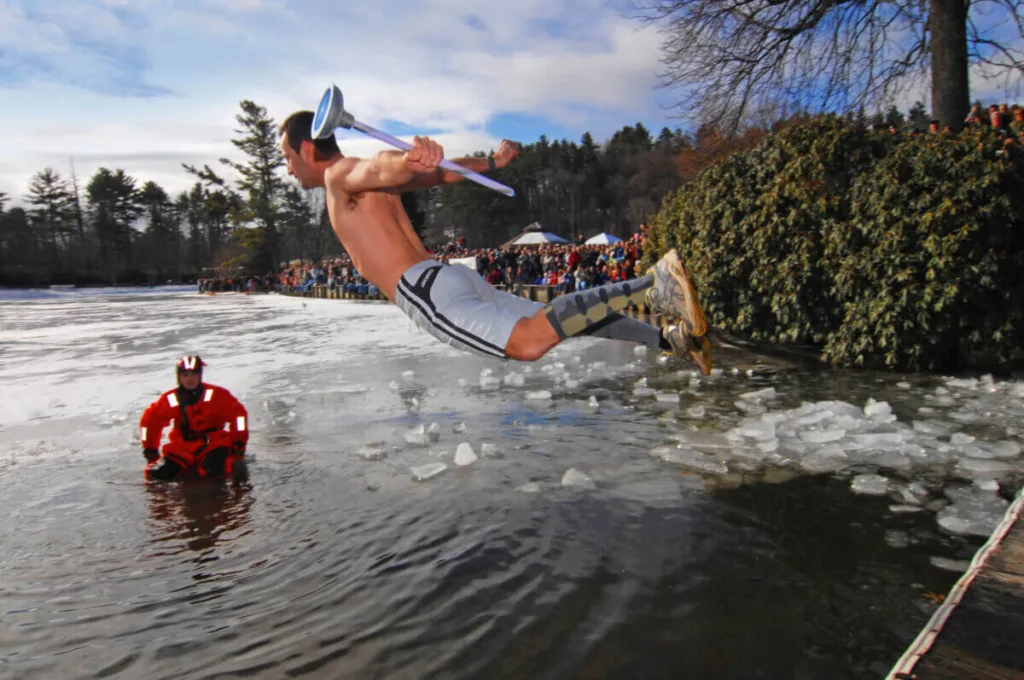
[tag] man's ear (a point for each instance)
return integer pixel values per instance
(307, 151)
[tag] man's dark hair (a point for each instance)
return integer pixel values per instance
(298, 127)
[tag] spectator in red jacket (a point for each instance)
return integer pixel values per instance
(209, 431)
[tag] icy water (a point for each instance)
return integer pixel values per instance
(411, 512)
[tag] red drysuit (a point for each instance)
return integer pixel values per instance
(205, 419)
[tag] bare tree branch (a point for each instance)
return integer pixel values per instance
(725, 57)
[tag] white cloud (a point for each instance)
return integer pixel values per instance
(445, 65)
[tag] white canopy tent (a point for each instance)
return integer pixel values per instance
(534, 234)
(603, 239)
(538, 237)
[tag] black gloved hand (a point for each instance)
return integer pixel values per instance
(238, 448)
(151, 455)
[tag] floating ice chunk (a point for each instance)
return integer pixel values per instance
(1003, 449)
(822, 436)
(958, 566)
(977, 516)
(879, 410)
(912, 494)
(597, 365)
(668, 397)
(489, 450)
(753, 408)
(418, 436)
(696, 411)
(918, 490)
(529, 487)
(593, 402)
(875, 440)
(979, 468)
(461, 382)
(408, 375)
(931, 427)
(539, 395)
(770, 446)
(459, 427)
(572, 384)
(371, 452)
(692, 460)
(433, 432)
(488, 382)
(423, 472)
(464, 455)
(716, 372)
(892, 460)
(827, 459)
(870, 485)
(904, 509)
(643, 392)
(757, 429)
(903, 385)
(484, 372)
(394, 386)
(642, 382)
(576, 479)
(987, 485)
(752, 458)
(811, 418)
(960, 439)
(640, 350)
(515, 379)
(702, 440)
(760, 395)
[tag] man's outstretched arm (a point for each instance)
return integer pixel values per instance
(506, 152)
(387, 169)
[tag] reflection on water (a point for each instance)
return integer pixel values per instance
(328, 561)
(199, 512)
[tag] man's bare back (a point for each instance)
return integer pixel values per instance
(377, 234)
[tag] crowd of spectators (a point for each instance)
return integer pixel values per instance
(1005, 120)
(331, 273)
(238, 284)
(567, 267)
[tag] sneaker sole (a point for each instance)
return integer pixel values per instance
(685, 305)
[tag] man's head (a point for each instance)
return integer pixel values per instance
(307, 158)
(190, 371)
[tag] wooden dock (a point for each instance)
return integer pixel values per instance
(978, 631)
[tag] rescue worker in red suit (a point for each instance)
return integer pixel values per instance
(210, 427)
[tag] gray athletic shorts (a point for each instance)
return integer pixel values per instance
(455, 305)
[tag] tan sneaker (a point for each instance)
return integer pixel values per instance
(674, 296)
(691, 348)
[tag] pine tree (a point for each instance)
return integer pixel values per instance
(259, 182)
(50, 197)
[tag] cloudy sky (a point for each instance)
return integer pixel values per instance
(145, 85)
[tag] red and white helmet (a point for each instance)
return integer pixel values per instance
(190, 362)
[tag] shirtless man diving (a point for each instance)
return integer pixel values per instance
(452, 302)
